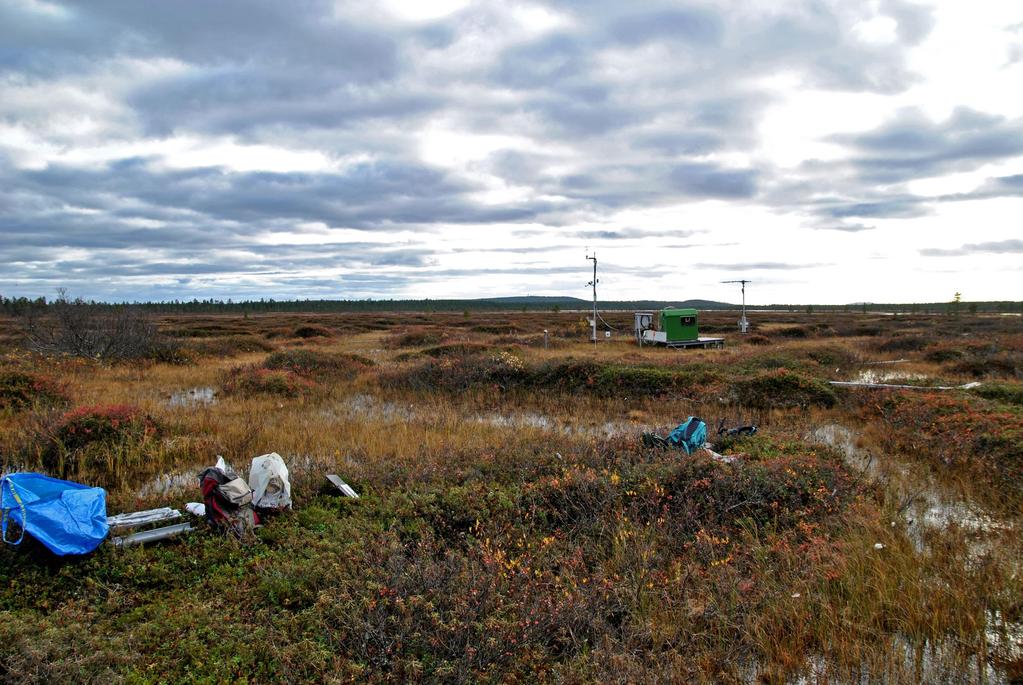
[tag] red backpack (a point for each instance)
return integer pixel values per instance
(228, 501)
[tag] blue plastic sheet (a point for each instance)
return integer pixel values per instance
(69, 518)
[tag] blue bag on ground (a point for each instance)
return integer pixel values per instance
(69, 518)
(689, 435)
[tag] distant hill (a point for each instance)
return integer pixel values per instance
(536, 300)
(547, 301)
(658, 304)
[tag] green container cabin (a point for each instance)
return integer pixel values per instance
(679, 325)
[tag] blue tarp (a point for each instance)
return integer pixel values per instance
(69, 518)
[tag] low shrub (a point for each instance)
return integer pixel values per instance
(506, 371)
(990, 364)
(717, 327)
(496, 329)
(577, 496)
(758, 339)
(536, 340)
(230, 346)
(942, 355)
(903, 343)
(315, 364)
(251, 380)
(174, 353)
(458, 374)
(861, 331)
(416, 337)
(19, 389)
(780, 389)
(823, 330)
(568, 375)
(980, 439)
(209, 331)
(100, 442)
(652, 381)
(1006, 394)
(830, 355)
(773, 359)
(794, 332)
(692, 494)
(313, 331)
(99, 423)
(456, 350)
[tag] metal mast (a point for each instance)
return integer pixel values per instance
(594, 283)
(743, 323)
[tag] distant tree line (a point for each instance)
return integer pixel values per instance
(20, 306)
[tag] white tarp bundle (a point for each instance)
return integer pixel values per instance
(269, 482)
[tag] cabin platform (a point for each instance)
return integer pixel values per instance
(699, 342)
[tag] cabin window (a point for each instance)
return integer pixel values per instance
(688, 320)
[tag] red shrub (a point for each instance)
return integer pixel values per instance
(101, 423)
(102, 444)
(19, 389)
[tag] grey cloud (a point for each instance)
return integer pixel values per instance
(707, 180)
(623, 185)
(545, 62)
(518, 249)
(812, 39)
(913, 146)
(583, 116)
(894, 208)
(712, 55)
(1012, 246)
(303, 33)
(1014, 182)
(367, 195)
(914, 21)
(846, 228)
(67, 40)
(690, 25)
(759, 266)
(635, 233)
(679, 143)
(999, 186)
(242, 99)
(683, 246)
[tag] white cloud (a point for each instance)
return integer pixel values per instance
(423, 10)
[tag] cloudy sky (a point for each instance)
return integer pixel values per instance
(830, 150)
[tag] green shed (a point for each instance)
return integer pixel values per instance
(679, 324)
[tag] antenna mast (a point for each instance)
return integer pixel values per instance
(594, 283)
(743, 323)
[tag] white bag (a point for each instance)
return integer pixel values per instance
(268, 479)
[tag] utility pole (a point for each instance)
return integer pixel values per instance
(743, 323)
(594, 283)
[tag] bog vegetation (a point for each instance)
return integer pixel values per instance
(512, 527)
